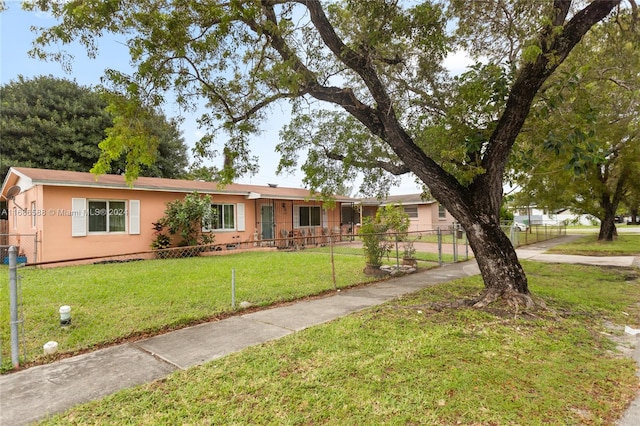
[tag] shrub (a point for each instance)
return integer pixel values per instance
(391, 218)
(184, 218)
(374, 240)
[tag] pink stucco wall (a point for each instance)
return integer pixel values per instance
(428, 217)
(57, 241)
(431, 213)
(53, 220)
(21, 221)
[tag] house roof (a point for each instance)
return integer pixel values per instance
(405, 200)
(88, 180)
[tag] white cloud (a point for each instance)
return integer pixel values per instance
(457, 62)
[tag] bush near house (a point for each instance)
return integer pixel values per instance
(184, 218)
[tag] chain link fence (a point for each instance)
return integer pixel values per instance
(439, 246)
(27, 245)
(143, 293)
(533, 233)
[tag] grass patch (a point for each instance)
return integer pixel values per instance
(403, 363)
(112, 302)
(624, 244)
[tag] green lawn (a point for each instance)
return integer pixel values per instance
(624, 244)
(582, 229)
(407, 363)
(111, 302)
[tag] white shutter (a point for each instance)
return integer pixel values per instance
(325, 218)
(240, 216)
(78, 217)
(134, 217)
(296, 216)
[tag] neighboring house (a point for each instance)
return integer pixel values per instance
(79, 215)
(423, 215)
(535, 216)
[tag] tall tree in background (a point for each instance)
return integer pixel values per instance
(581, 145)
(366, 83)
(55, 123)
(632, 198)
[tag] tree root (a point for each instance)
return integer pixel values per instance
(511, 297)
(503, 304)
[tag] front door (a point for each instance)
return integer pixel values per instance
(266, 218)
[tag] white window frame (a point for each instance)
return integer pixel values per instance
(108, 208)
(80, 217)
(238, 218)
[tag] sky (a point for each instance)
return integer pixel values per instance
(16, 39)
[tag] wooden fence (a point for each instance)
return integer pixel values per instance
(4, 230)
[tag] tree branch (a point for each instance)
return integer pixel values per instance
(382, 120)
(393, 168)
(555, 48)
(352, 59)
(343, 97)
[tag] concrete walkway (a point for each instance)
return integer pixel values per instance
(32, 394)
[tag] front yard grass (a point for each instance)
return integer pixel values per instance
(624, 244)
(409, 362)
(113, 302)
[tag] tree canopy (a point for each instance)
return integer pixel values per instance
(366, 83)
(55, 123)
(580, 149)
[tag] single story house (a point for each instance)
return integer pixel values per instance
(79, 215)
(424, 215)
(533, 215)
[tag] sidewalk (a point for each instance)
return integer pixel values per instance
(32, 394)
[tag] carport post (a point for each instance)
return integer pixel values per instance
(13, 305)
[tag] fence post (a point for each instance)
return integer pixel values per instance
(455, 242)
(13, 305)
(333, 264)
(233, 288)
(35, 248)
(397, 253)
(439, 246)
(466, 246)
(512, 236)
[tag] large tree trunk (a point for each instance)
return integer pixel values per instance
(476, 206)
(609, 203)
(504, 277)
(607, 230)
(608, 222)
